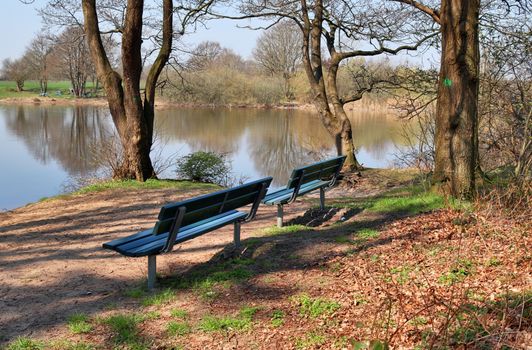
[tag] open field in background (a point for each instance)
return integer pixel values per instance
(8, 89)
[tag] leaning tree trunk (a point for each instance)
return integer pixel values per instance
(347, 146)
(335, 121)
(456, 138)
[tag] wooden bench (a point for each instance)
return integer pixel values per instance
(303, 180)
(181, 221)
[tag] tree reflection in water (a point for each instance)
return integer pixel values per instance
(63, 134)
(260, 142)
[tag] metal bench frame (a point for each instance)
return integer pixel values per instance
(300, 182)
(176, 224)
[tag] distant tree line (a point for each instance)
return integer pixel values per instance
(56, 57)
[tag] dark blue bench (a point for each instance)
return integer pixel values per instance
(181, 221)
(303, 180)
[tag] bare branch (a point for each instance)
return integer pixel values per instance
(429, 11)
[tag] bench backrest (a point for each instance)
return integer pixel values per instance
(206, 206)
(325, 170)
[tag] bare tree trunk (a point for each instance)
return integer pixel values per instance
(157, 67)
(20, 85)
(132, 117)
(346, 133)
(335, 121)
(456, 136)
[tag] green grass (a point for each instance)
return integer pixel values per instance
(23, 343)
(78, 323)
(8, 89)
(277, 318)
(311, 340)
(148, 184)
(244, 320)
(224, 323)
(409, 200)
(401, 273)
(125, 330)
(179, 313)
(411, 204)
(152, 315)
(105, 185)
(343, 239)
(135, 293)
(315, 307)
(361, 236)
(175, 328)
(367, 233)
(458, 272)
(274, 230)
(159, 298)
(208, 279)
(64, 344)
(247, 312)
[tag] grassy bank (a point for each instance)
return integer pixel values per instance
(151, 184)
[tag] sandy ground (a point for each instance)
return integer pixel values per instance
(52, 263)
(161, 104)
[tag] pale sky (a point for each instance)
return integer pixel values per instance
(19, 23)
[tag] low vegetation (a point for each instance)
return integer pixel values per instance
(78, 323)
(404, 268)
(206, 167)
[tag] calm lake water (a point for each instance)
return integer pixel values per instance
(43, 148)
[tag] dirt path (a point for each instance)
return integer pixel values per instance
(52, 263)
(384, 275)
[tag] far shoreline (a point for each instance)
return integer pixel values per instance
(162, 104)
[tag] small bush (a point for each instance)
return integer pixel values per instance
(204, 167)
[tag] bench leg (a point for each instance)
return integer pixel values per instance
(322, 198)
(279, 215)
(237, 234)
(152, 269)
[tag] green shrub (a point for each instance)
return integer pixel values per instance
(204, 167)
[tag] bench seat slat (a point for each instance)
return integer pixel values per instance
(152, 244)
(271, 197)
(313, 185)
(225, 217)
(185, 235)
(131, 238)
(282, 196)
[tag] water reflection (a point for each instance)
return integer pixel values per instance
(273, 142)
(259, 142)
(63, 134)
